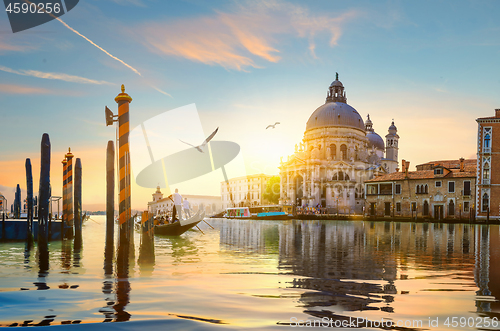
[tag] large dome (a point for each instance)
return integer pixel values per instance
(337, 114)
(375, 140)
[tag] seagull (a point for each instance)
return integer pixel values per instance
(203, 144)
(272, 125)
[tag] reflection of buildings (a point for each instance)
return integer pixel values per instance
(161, 205)
(438, 189)
(244, 191)
(339, 152)
(355, 265)
(488, 176)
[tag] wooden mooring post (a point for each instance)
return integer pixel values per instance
(110, 199)
(44, 195)
(78, 203)
(29, 198)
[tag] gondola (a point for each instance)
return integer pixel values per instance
(178, 228)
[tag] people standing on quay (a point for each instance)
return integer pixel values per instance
(186, 207)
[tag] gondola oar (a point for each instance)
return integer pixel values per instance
(209, 224)
(199, 229)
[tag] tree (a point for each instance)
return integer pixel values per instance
(272, 193)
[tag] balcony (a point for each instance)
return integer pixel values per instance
(486, 181)
(486, 150)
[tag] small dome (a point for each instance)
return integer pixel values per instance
(374, 140)
(336, 83)
(393, 127)
(335, 114)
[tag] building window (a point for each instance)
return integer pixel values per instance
(487, 139)
(413, 206)
(426, 208)
(333, 151)
(398, 188)
(438, 184)
(486, 173)
(451, 208)
(451, 187)
(343, 152)
(426, 189)
(486, 202)
(398, 207)
(438, 171)
(467, 187)
(466, 206)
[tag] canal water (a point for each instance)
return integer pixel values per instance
(261, 275)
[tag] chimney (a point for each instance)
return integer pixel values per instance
(403, 166)
(397, 169)
(462, 162)
(407, 166)
(497, 113)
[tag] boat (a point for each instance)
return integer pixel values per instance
(270, 212)
(178, 228)
(238, 212)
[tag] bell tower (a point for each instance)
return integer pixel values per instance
(391, 148)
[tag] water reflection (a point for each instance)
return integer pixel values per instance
(357, 266)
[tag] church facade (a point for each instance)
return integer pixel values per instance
(338, 153)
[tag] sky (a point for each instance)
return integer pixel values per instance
(432, 66)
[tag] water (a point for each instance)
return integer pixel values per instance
(265, 275)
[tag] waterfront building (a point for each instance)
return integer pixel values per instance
(245, 191)
(488, 173)
(338, 153)
(164, 206)
(438, 189)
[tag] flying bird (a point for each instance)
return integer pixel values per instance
(272, 125)
(203, 144)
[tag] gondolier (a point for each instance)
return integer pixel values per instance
(177, 199)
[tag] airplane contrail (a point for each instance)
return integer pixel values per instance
(90, 41)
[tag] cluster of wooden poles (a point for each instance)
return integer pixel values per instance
(72, 213)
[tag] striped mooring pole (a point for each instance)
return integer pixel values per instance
(69, 196)
(64, 216)
(123, 100)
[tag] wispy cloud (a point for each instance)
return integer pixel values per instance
(138, 3)
(237, 39)
(8, 47)
(20, 89)
(55, 75)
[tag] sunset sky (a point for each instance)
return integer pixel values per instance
(432, 66)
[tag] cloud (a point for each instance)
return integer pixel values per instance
(54, 75)
(138, 3)
(8, 47)
(237, 39)
(20, 89)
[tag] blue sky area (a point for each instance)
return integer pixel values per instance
(432, 66)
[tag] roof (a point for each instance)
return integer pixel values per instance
(424, 174)
(449, 164)
(337, 114)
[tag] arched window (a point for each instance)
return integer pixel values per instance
(426, 189)
(451, 208)
(343, 152)
(426, 208)
(417, 189)
(487, 141)
(356, 153)
(333, 151)
(486, 202)
(341, 175)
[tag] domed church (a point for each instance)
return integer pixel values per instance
(338, 153)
